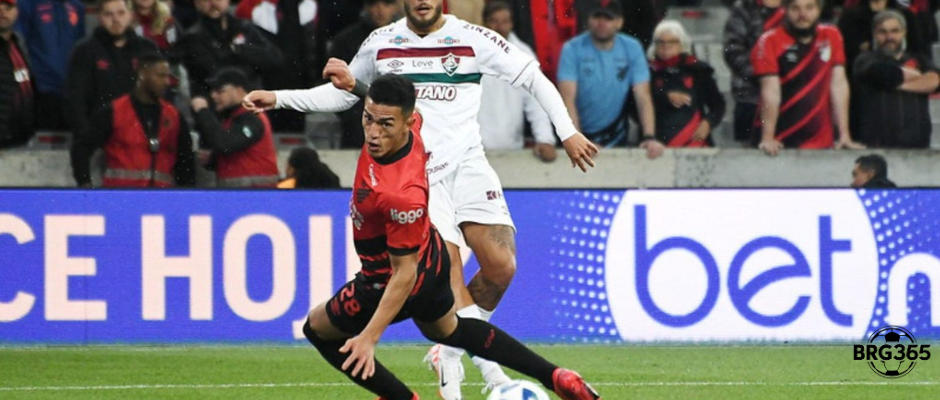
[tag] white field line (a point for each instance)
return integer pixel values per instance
(343, 384)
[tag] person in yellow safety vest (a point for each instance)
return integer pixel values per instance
(242, 142)
(146, 140)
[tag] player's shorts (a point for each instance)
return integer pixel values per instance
(353, 306)
(470, 193)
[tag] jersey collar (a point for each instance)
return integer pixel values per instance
(401, 153)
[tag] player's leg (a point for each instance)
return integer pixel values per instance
(488, 341)
(495, 249)
(330, 324)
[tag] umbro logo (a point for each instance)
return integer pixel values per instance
(395, 64)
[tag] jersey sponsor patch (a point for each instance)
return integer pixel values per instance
(436, 92)
(450, 64)
(406, 217)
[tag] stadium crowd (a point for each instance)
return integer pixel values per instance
(804, 74)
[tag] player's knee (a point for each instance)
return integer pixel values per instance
(500, 271)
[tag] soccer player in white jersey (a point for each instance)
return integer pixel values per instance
(445, 58)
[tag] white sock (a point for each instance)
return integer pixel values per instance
(471, 311)
(485, 315)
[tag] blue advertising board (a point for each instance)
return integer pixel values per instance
(593, 266)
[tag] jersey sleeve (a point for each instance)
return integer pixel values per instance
(406, 220)
(498, 57)
(838, 47)
(764, 56)
(362, 65)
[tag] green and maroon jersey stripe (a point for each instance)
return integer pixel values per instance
(460, 51)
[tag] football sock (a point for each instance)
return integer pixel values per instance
(487, 341)
(454, 353)
(382, 383)
(484, 314)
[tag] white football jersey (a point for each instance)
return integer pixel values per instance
(446, 67)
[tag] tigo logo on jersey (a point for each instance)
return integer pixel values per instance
(409, 217)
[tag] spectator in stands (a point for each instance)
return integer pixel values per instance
(545, 26)
(597, 71)
(871, 172)
(467, 10)
(375, 14)
(685, 95)
(306, 171)
(291, 25)
(50, 28)
(803, 83)
(16, 85)
(242, 142)
(856, 27)
(184, 12)
(103, 66)
(892, 89)
(640, 16)
(153, 20)
(925, 24)
(749, 20)
(220, 40)
(146, 140)
(502, 122)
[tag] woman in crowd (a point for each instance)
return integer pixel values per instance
(685, 96)
(306, 171)
(154, 20)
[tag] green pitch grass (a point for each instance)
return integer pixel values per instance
(297, 372)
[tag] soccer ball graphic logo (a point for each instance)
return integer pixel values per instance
(518, 390)
(892, 364)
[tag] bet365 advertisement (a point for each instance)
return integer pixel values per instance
(593, 266)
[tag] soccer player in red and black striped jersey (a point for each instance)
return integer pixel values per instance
(405, 266)
(804, 91)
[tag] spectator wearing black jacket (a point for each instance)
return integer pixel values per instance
(685, 96)
(375, 14)
(103, 66)
(892, 89)
(16, 85)
(749, 20)
(241, 141)
(856, 24)
(871, 172)
(221, 40)
(306, 171)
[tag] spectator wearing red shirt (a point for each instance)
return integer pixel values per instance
(803, 83)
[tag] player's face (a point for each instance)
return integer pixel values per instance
(861, 176)
(889, 36)
(603, 28)
(214, 9)
(8, 15)
(386, 128)
(423, 14)
(501, 22)
(382, 13)
(667, 46)
(803, 14)
(155, 79)
(114, 17)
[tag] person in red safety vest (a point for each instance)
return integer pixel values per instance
(146, 140)
(242, 142)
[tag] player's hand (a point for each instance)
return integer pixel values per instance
(581, 151)
(259, 100)
(545, 152)
(679, 99)
(772, 147)
(361, 351)
(337, 71)
(849, 144)
(654, 148)
(199, 103)
(701, 133)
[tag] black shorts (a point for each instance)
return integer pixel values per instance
(353, 306)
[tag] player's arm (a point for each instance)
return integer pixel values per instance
(839, 98)
(338, 95)
(769, 113)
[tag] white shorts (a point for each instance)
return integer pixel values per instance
(471, 193)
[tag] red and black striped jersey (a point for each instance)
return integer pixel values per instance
(389, 210)
(805, 72)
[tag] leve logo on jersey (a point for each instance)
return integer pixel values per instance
(406, 217)
(398, 40)
(450, 64)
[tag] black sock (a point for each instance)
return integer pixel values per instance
(486, 340)
(382, 383)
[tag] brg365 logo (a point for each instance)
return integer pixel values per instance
(891, 352)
